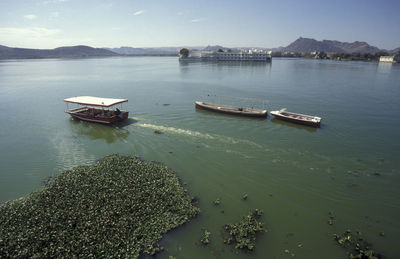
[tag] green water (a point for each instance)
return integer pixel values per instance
(295, 174)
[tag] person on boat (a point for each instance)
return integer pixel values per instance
(117, 112)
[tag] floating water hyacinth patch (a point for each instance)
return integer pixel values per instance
(118, 207)
(243, 233)
(356, 246)
(205, 239)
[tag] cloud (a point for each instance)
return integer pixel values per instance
(31, 32)
(54, 1)
(197, 20)
(180, 13)
(139, 12)
(40, 37)
(54, 15)
(30, 16)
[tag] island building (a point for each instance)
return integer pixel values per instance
(250, 55)
(390, 59)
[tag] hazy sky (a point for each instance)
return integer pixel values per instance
(234, 23)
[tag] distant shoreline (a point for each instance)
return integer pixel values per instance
(67, 52)
(302, 47)
(170, 55)
(84, 57)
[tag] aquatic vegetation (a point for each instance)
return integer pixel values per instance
(287, 251)
(356, 246)
(118, 207)
(217, 202)
(243, 233)
(331, 219)
(205, 240)
(195, 200)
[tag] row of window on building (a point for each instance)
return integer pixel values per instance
(240, 56)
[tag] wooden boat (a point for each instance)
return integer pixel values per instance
(297, 118)
(96, 109)
(234, 110)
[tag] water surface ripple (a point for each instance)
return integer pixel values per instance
(297, 175)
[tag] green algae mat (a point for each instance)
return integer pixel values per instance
(119, 206)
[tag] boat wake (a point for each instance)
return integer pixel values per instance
(197, 134)
(177, 131)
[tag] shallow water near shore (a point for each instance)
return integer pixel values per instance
(296, 174)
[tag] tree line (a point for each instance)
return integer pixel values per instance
(335, 55)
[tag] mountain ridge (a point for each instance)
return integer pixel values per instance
(302, 45)
(78, 51)
(125, 50)
(311, 45)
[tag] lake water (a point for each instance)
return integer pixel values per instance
(296, 174)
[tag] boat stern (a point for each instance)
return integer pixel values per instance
(124, 115)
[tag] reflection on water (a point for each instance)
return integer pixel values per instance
(349, 166)
(69, 153)
(185, 64)
(124, 123)
(99, 131)
(384, 67)
(294, 125)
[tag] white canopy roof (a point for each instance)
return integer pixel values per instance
(95, 101)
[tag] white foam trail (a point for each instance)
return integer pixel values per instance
(197, 134)
(177, 131)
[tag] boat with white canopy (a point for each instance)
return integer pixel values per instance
(97, 109)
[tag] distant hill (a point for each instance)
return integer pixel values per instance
(145, 51)
(300, 45)
(310, 45)
(62, 52)
(395, 51)
(214, 48)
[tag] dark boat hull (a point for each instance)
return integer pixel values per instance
(231, 110)
(103, 118)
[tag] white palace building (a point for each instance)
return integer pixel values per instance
(261, 56)
(390, 59)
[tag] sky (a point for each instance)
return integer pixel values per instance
(172, 23)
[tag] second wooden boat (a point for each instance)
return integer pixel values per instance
(297, 118)
(233, 110)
